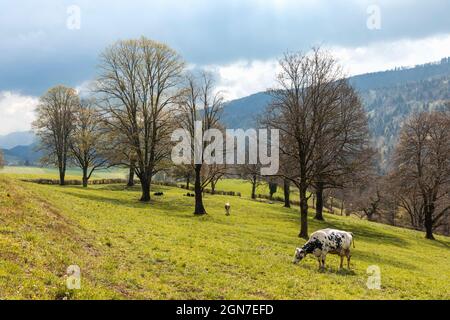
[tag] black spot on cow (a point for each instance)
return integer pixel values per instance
(312, 245)
(335, 240)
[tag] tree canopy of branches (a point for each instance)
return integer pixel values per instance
(368, 200)
(54, 125)
(321, 122)
(137, 85)
(422, 169)
(199, 104)
(87, 141)
(343, 154)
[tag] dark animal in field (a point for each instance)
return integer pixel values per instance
(158, 194)
(327, 241)
(227, 208)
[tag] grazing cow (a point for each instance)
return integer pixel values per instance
(327, 241)
(227, 208)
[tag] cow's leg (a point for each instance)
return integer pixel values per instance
(323, 261)
(320, 262)
(348, 258)
(342, 261)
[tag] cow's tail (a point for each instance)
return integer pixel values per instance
(353, 239)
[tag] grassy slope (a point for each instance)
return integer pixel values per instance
(131, 250)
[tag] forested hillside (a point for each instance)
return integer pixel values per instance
(389, 97)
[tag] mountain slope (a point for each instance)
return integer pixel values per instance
(21, 155)
(22, 138)
(389, 98)
(401, 76)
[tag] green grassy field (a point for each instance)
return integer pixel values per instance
(52, 173)
(130, 250)
(245, 188)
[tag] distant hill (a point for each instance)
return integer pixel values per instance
(243, 113)
(401, 76)
(23, 138)
(389, 97)
(22, 155)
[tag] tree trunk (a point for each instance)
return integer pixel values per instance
(287, 192)
(131, 176)
(213, 187)
(303, 213)
(429, 222)
(85, 177)
(254, 188)
(62, 176)
(145, 185)
(319, 202)
(188, 178)
(199, 208)
(342, 206)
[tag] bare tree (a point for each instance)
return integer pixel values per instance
(219, 171)
(87, 142)
(344, 154)
(422, 168)
(368, 199)
(198, 104)
(409, 199)
(54, 125)
(309, 87)
(251, 173)
(137, 85)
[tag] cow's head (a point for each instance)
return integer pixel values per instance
(299, 255)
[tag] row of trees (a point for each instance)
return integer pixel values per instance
(70, 132)
(421, 173)
(141, 95)
(415, 191)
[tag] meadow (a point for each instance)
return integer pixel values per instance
(131, 250)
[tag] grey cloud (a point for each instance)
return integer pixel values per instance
(37, 50)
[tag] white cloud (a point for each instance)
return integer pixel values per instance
(243, 78)
(16, 111)
(388, 55)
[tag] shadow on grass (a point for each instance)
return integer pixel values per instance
(361, 257)
(330, 269)
(176, 208)
(370, 234)
(121, 187)
(109, 200)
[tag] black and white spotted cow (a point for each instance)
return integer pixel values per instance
(327, 241)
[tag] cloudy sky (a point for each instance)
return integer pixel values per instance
(42, 43)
